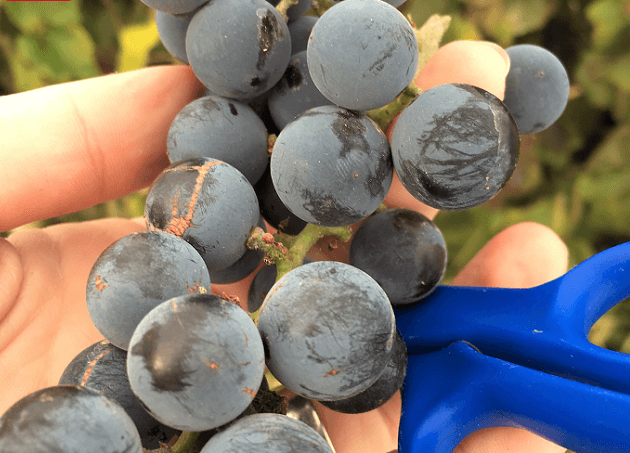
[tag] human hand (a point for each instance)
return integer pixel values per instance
(71, 146)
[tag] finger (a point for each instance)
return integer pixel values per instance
(479, 63)
(369, 432)
(482, 64)
(70, 146)
(521, 256)
(503, 440)
(11, 276)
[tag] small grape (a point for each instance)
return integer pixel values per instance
(196, 362)
(328, 328)
(238, 49)
(362, 54)
(207, 202)
(294, 93)
(300, 30)
(331, 166)
(536, 88)
(455, 146)
(403, 251)
(172, 30)
(135, 274)
(68, 419)
(219, 128)
(267, 433)
(381, 391)
(103, 367)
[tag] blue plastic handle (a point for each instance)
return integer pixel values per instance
(533, 341)
(545, 328)
(453, 392)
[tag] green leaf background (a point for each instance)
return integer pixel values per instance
(573, 177)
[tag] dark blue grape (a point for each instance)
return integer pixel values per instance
(362, 54)
(536, 88)
(259, 105)
(172, 30)
(267, 433)
(208, 203)
(243, 267)
(328, 329)
(261, 284)
(196, 362)
(331, 166)
(175, 6)
(272, 208)
(377, 394)
(238, 49)
(455, 146)
(259, 405)
(296, 10)
(67, 419)
(403, 251)
(294, 93)
(300, 30)
(103, 367)
(222, 129)
(137, 273)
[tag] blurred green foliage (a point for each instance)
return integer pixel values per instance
(573, 177)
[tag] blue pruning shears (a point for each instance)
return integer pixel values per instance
(488, 357)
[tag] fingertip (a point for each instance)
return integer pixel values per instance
(521, 256)
(106, 135)
(503, 439)
(479, 63)
(11, 276)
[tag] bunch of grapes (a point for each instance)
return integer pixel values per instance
(316, 92)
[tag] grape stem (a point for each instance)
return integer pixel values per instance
(383, 116)
(283, 6)
(287, 251)
(321, 6)
(271, 141)
(185, 444)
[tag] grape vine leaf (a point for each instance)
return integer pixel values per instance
(429, 37)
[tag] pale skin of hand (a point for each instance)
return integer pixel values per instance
(71, 146)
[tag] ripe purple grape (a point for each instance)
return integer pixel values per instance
(328, 328)
(294, 93)
(207, 202)
(331, 166)
(172, 30)
(381, 391)
(267, 433)
(196, 362)
(135, 274)
(238, 49)
(68, 419)
(536, 88)
(103, 367)
(362, 54)
(223, 129)
(455, 146)
(403, 251)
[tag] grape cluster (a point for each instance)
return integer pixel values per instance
(179, 358)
